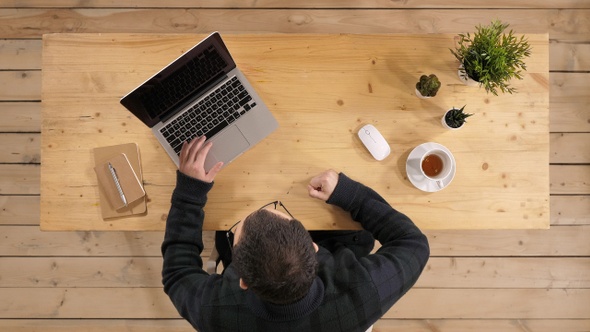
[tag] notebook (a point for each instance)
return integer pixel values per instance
(126, 162)
(202, 93)
(119, 181)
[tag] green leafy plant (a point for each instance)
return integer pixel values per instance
(428, 85)
(492, 57)
(455, 117)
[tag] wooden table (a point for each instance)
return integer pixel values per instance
(321, 89)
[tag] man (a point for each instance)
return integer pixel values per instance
(279, 280)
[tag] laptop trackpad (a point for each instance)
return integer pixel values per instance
(230, 144)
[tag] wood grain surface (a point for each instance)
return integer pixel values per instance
(321, 89)
(469, 261)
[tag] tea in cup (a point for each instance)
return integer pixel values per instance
(436, 165)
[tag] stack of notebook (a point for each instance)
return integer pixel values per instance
(120, 182)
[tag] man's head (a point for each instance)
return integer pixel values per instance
(274, 256)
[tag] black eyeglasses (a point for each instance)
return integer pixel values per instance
(230, 234)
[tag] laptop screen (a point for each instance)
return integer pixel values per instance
(181, 82)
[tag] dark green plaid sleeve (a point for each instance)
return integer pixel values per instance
(182, 273)
(404, 251)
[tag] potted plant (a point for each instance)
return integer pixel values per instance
(455, 118)
(492, 57)
(428, 86)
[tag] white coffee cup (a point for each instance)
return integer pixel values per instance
(436, 165)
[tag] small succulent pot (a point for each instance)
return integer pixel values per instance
(427, 86)
(419, 95)
(454, 118)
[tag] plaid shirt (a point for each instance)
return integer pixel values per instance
(349, 293)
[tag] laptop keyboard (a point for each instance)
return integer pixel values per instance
(209, 116)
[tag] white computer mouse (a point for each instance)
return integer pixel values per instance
(374, 141)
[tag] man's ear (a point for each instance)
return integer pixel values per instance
(243, 284)
(316, 247)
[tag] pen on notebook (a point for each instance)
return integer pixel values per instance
(117, 183)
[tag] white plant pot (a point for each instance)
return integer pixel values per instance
(444, 122)
(466, 79)
(419, 95)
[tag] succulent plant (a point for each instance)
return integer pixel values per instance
(455, 117)
(428, 85)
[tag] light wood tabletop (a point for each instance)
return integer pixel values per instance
(322, 89)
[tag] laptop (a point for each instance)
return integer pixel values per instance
(202, 93)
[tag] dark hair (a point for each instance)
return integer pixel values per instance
(275, 257)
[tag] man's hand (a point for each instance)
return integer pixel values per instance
(322, 185)
(192, 160)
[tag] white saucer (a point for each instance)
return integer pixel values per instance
(413, 168)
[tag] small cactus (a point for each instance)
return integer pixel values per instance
(428, 85)
(455, 118)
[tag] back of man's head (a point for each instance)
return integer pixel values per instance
(275, 257)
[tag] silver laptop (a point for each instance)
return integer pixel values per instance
(202, 93)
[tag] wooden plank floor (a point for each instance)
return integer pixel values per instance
(529, 280)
